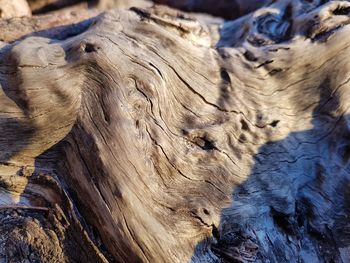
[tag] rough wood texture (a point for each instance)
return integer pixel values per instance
(53, 24)
(152, 137)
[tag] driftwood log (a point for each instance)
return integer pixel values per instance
(150, 136)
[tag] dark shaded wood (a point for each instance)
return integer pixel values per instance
(228, 9)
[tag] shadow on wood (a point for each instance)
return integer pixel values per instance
(294, 205)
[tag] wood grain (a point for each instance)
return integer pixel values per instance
(151, 136)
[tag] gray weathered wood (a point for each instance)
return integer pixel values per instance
(152, 137)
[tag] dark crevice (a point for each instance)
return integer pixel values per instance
(274, 123)
(244, 125)
(194, 215)
(157, 69)
(343, 11)
(264, 63)
(215, 232)
(283, 221)
(225, 76)
(204, 143)
(89, 48)
(325, 35)
(275, 71)
(250, 56)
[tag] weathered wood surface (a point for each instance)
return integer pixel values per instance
(52, 25)
(14, 8)
(152, 137)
